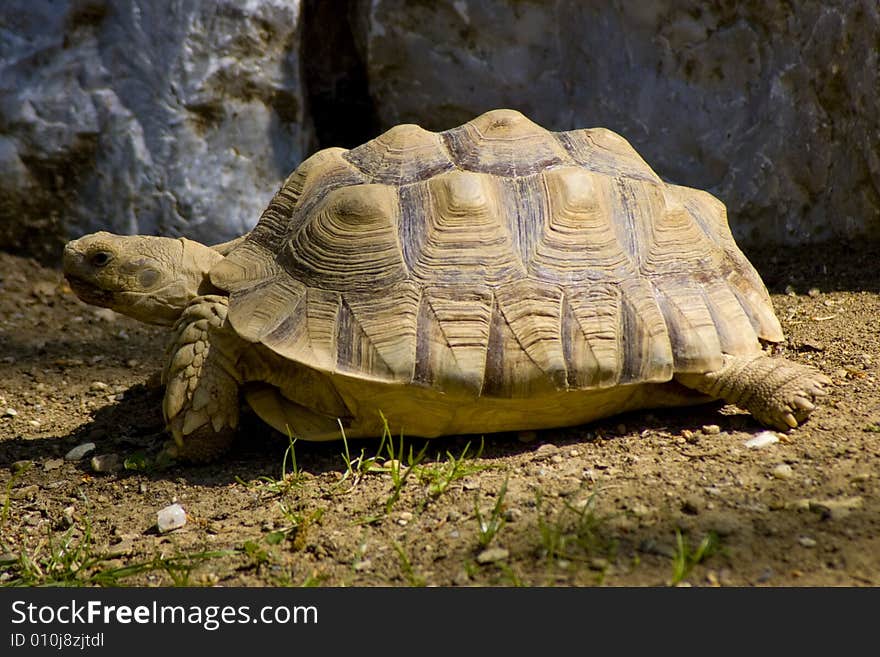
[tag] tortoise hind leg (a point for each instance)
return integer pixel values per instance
(777, 392)
(202, 381)
(292, 419)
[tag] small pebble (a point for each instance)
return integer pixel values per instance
(556, 458)
(35, 423)
(79, 451)
(105, 314)
(691, 506)
(711, 429)
(21, 466)
(363, 564)
(547, 449)
(598, 563)
(807, 542)
(53, 464)
(512, 515)
(782, 471)
(393, 465)
(10, 412)
(106, 463)
(171, 517)
(493, 554)
(132, 362)
(97, 386)
(762, 439)
(123, 548)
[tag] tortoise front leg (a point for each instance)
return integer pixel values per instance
(202, 381)
(777, 392)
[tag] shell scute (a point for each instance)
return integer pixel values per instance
(494, 259)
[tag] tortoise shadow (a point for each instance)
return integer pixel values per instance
(133, 429)
(832, 266)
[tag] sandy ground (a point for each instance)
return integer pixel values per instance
(644, 499)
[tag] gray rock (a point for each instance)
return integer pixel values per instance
(79, 451)
(151, 116)
(183, 117)
(772, 106)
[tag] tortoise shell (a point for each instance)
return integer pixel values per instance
(495, 259)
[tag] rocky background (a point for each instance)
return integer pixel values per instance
(183, 117)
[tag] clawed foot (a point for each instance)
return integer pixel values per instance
(792, 402)
(777, 392)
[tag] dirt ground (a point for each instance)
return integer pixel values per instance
(651, 498)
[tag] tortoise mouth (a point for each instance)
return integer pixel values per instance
(88, 292)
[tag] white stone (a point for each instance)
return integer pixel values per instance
(171, 517)
(762, 439)
(782, 471)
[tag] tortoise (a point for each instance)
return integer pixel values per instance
(493, 277)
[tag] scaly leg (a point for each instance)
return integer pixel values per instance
(777, 392)
(202, 381)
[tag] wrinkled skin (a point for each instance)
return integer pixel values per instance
(151, 279)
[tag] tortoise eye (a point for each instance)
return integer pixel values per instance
(100, 258)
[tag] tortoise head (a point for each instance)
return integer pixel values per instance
(151, 279)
